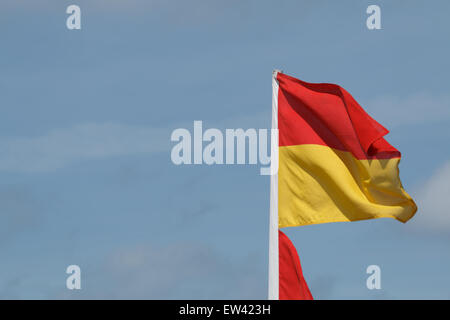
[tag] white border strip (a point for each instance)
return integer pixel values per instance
(273, 221)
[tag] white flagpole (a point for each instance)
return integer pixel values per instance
(273, 221)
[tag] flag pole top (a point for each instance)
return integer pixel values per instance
(275, 71)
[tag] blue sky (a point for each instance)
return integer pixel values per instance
(85, 170)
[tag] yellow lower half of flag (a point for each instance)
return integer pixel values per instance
(319, 184)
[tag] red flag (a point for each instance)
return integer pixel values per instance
(292, 285)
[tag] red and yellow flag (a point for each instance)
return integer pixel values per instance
(334, 164)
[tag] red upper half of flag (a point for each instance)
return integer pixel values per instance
(326, 114)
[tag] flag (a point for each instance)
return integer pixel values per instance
(334, 164)
(292, 284)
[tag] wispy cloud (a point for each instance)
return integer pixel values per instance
(59, 148)
(434, 202)
(176, 271)
(62, 147)
(420, 108)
